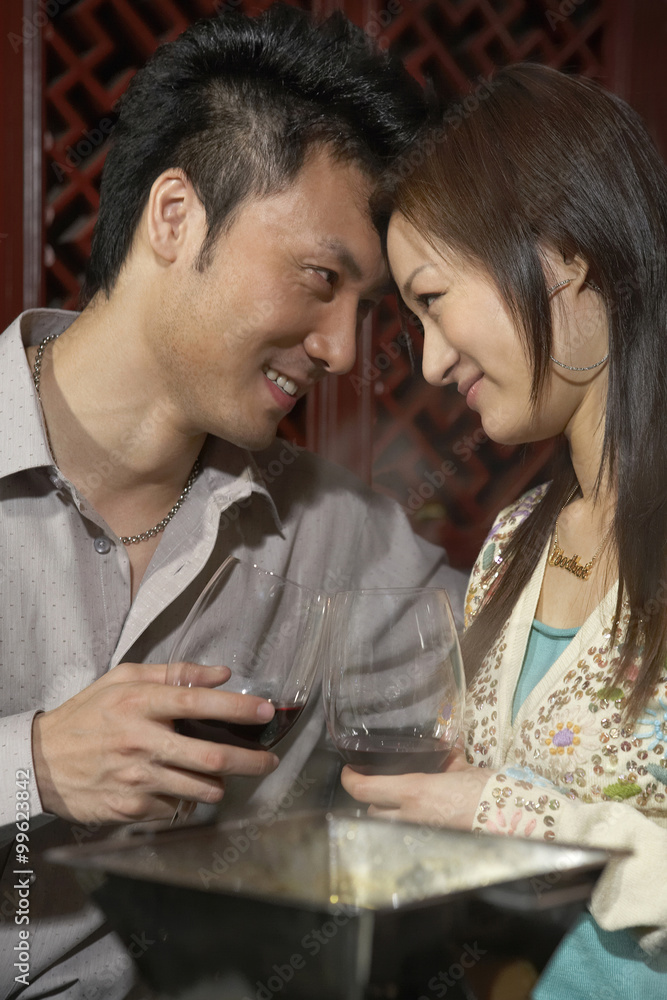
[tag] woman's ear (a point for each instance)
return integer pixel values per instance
(577, 269)
(560, 266)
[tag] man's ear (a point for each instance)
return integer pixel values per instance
(174, 215)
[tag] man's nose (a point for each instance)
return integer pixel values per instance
(439, 357)
(333, 343)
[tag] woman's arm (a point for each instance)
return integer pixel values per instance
(632, 891)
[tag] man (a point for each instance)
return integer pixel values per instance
(232, 262)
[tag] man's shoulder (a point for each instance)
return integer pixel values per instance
(367, 537)
(287, 468)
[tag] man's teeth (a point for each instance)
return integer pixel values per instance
(286, 384)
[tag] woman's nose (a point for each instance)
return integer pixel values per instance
(439, 356)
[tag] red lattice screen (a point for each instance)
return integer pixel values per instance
(417, 443)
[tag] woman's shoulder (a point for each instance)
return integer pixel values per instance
(509, 519)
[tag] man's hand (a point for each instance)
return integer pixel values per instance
(111, 755)
(449, 798)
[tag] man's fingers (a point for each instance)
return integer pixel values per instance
(220, 758)
(189, 674)
(167, 702)
(192, 787)
(197, 675)
(208, 758)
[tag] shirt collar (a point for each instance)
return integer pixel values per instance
(231, 472)
(233, 475)
(23, 441)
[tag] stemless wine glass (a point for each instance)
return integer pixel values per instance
(393, 683)
(266, 629)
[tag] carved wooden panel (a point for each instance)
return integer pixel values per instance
(419, 444)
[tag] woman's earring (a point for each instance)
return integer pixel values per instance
(574, 368)
(567, 281)
(560, 284)
(561, 364)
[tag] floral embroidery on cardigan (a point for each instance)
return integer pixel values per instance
(658, 727)
(490, 565)
(575, 744)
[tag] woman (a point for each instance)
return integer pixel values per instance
(529, 241)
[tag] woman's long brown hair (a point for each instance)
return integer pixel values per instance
(542, 159)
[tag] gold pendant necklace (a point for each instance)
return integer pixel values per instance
(557, 556)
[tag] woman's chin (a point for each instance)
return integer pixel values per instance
(510, 436)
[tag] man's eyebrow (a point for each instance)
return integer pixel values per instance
(407, 287)
(343, 255)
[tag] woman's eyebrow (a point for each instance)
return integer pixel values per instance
(407, 287)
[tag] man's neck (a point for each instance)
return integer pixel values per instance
(115, 431)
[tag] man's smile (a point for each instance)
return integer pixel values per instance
(287, 384)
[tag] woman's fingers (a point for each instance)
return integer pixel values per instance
(381, 790)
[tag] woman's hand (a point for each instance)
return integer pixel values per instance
(449, 798)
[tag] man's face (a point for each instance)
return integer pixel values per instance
(277, 308)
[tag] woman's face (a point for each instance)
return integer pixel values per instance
(470, 338)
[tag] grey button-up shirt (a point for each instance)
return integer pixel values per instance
(66, 617)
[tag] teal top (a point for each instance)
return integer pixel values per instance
(545, 644)
(589, 962)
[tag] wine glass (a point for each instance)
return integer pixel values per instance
(393, 685)
(266, 629)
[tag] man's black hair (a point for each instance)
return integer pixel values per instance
(236, 102)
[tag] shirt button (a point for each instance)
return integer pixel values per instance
(102, 545)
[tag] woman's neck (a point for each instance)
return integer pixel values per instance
(585, 436)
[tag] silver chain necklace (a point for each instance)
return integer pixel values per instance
(143, 536)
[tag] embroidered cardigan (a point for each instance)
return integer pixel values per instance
(570, 768)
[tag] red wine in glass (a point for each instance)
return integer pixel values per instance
(393, 752)
(262, 736)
